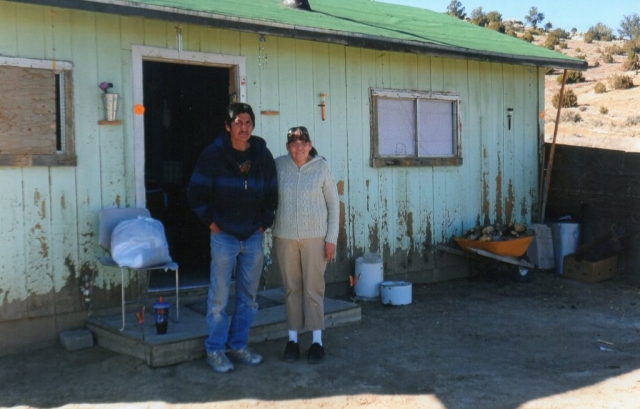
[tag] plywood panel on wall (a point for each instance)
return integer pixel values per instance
(27, 111)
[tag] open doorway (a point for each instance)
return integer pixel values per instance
(184, 112)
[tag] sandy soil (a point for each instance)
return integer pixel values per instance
(609, 130)
(481, 343)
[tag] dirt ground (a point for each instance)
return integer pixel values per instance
(485, 342)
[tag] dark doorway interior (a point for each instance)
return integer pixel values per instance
(184, 112)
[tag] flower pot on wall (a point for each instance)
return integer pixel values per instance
(110, 106)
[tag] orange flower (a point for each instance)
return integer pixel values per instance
(138, 109)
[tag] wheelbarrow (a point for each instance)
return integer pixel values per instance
(508, 251)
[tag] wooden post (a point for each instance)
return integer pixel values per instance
(547, 179)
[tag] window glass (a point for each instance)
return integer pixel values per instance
(396, 127)
(436, 119)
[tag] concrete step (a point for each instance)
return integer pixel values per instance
(184, 340)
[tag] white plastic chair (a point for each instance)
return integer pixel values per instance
(109, 219)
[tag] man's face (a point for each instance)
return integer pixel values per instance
(240, 129)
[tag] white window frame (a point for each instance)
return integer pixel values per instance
(418, 158)
(65, 155)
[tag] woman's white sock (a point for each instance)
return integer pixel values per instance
(293, 336)
(317, 336)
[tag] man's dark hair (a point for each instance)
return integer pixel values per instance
(237, 108)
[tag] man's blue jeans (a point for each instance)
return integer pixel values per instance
(226, 252)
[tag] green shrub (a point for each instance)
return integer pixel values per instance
(496, 26)
(600, 88)
(569, 116)
(614, 49)
(551, 41)
(607, 57)
(512, 33)
(578, 49)
(604, 110)
(527, 36)
(563, 45)
(573, 77)
(581, 56)
(600, 32)
(632, 45)
(561, 33)
(588, 38)
(631, 63)
(596, 63)
(633, 120)
(570, 99)
(620, 82)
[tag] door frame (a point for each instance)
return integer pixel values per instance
(140, 53)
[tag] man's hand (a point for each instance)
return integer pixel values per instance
(214, 228)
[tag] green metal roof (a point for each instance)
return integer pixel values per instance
(362, 23)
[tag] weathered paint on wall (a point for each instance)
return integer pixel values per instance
(49, 215)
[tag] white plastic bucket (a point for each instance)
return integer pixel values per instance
(395, 292)
(369, 274)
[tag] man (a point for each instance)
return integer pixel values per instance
(233, 190)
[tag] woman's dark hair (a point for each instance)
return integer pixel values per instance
(236, 108)
(304, 136)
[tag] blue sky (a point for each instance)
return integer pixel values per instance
(564, 14)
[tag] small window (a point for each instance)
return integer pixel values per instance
(413, 128)
(36, 127)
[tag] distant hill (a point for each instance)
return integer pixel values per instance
(609, 120)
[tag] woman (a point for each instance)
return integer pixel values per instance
(306, 232)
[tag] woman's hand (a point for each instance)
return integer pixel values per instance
(329, 251)
(214, 228)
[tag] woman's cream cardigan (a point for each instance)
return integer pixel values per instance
(308, 204)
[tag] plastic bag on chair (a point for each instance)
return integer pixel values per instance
(139, 243)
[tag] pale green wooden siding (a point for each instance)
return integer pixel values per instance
(49, 216)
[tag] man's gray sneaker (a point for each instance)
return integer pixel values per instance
(219, 362)
(245, 356)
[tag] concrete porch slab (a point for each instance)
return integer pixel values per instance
(184, 340)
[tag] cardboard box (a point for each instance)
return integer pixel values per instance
(589, 271)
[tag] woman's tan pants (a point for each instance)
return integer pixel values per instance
(302, 264)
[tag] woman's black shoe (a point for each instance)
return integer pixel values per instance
(292, 352)
(315, 354)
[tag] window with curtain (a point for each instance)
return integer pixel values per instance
(413, 128)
